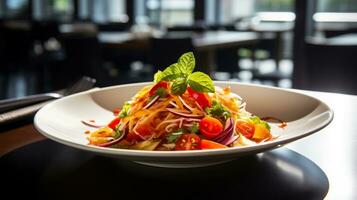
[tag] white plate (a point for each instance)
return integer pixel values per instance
(61, 121)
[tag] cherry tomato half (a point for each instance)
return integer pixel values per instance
(188, 141)
(201, 98)
(208, 144)
(161, 84)
(246, 128)
(114, 123)
(144, 131)
(210, 127)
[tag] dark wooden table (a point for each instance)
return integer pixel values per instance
(321, 164)
(205, 43)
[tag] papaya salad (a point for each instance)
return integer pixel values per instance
(182, 110)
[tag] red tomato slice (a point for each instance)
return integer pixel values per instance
(144, 132)
(246, 128)
(132, 137)
(114, 123)
(161, 84)
(201, 98)
(210, 127)
(208, 144)
(189, 141)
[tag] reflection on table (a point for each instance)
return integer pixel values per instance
(62, 172)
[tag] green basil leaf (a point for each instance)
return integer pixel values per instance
(187, 63)
(200, 82)
(179, 86)
(171, 72)
(158, 76)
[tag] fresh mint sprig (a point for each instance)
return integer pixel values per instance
(181, 74)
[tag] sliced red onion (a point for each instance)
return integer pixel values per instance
(110, 143)
(138, 134)
(198, 105)
(170, 127)
(173, 104)
(182, 114)
(230, 140)
(152, 102)
(93, 124)
(192, 120)
(226, 133)
(185, 104)
(187, 125)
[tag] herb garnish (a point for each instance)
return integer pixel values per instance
(125, 110)
(117, 133)
(161, 92)
(174, 136)
(181, 74)
(218, 111)
(257, 120)
(194, 128)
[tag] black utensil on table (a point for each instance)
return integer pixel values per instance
(19, 108)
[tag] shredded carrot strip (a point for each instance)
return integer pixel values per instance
(177, 101)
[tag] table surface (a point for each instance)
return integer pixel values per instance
(332, 149)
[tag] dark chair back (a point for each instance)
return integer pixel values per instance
(166, 50)
(44, 30)
(15, 53)
(16, 47)
(227, 60)
(187, 28)
(83, 57)
(196, 27)
(334, 33)
(217, 27)
(331, 67)
(113, 26)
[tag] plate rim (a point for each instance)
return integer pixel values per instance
(177, 154)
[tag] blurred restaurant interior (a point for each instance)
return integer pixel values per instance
(46, 45)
